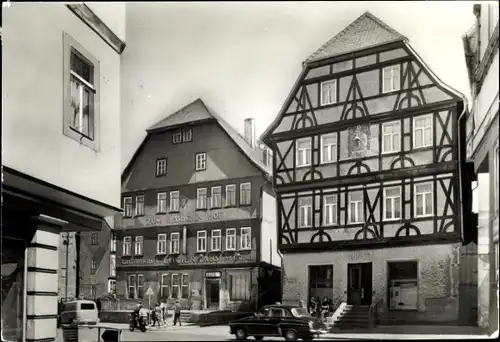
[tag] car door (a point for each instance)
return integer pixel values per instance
(275, 319)
(259, 324)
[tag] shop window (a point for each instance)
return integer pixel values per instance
(403, 285)
(240, 287)
(321, 281)
(165, 285)
(185, 286)
(175, 285)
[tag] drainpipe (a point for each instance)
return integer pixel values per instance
(282, 274)
(464, 110)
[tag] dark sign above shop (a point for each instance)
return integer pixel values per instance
(212, 275)
(185, 260)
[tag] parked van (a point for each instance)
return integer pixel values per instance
(79, 312)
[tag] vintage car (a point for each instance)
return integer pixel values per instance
(290, 322)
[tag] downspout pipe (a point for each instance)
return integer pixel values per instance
(460, 153)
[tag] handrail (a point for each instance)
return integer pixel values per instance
(373, 312)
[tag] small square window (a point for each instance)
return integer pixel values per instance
(201, 161)
(328, 92)
(390, 79)
(161, 167)
(177, 137)
(187, 135)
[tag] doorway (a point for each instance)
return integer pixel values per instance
(212, 295)
(359, 284)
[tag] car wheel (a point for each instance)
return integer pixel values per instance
(290, 335)
(241, 334)
(258, 338)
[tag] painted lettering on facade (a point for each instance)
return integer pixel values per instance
(185, 260)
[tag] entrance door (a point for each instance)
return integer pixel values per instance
(213, 287)
(359, 284)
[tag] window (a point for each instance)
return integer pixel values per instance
(304, 152)
(240, 287)
(403, 285)
(230, 195)
(174, 243)
(132, 286)
(138, 245)
(187, 135)
(423, 199)
(161, 204)
(216, 197)
(391, 80)
(94, 264)
(161, 167)
(94, 239)
(81, 91)
(422, 131)
(112, 265)
(392, 206)
(246, 238)
(201, 241)
(201, 198)
(391, 137)
(126, 245)
(140, 286)
(216, 240)
(139, 205)
(330, 210)
(175, 286)
(177, 137)
(127, 207)
(329, 148)
(356, 207)
(328, 92)
(185, 286)
(174, 201)
(165, 285)
(230, 239)
(245, 193)
(320, 280)
(112, 286)
(161, 244)
(113, 242)
(201, 161)
(305, 212)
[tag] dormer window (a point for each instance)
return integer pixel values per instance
(390, 79)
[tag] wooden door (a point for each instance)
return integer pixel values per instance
(354, 288)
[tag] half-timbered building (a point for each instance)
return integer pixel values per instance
(366, 176)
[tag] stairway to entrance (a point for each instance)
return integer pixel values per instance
(353, 317)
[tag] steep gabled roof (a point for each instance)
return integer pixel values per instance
(365, 32)
(198, 111)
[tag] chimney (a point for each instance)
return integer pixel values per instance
(250, 131)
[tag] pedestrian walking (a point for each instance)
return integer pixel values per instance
(163, 315)
(177, 313)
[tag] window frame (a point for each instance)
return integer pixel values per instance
(301, 212)
(94, 239)
(173, 285)
(359, 215)
(92, 141)
(228, 230)
(140, 276)
(322, 99)
(186, 275)
(297, 159)
(163, 286)
(322, 156)
(158, 201)
(177, 137)
(393, 207)
(226, 204)
(392, 150)
(249, 202)
(198, 198)
(392, 68)
(431, 128)
(425, 214)
(127, 243)
(139, 241)
(131, 204)
(190, 135)
(332, 208)
(233, 281)
(212, 240)
(173, 201)
(212, 197)
(161, 167)
(159, 243)
(172, 249)
(132, 285)
(249, 233)
(198, 238)
(202, 160)
(137, 202)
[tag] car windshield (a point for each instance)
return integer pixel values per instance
(300, 312)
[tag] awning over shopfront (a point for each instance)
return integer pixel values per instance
(29, 194)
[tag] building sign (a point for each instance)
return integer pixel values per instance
(212, 275)
(185, 260)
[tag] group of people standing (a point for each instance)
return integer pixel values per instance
(159, 313)
(320, 309)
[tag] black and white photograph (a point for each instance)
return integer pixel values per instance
(249, 170)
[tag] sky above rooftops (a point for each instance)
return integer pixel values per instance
(242, 59)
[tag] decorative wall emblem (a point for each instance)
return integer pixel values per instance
(359, 141)
(183, 202)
